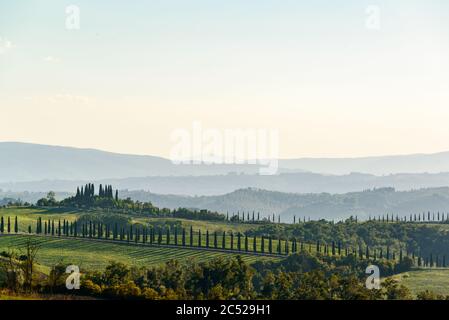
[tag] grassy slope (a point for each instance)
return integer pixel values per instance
(436, 280)
(28, 216)
(96, 255)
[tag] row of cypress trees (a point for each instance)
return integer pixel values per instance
(229, 241)
(5, 226)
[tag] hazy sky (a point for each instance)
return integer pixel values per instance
(319, 71)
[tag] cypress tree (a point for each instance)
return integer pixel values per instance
(279, 246)
(215, 240)
(262, 245)
(223, 240)
(232, 240)
(199, 238)
(207, 238)
(2, 225)
(16, 226)
(59, 228)
(246, 242)
(270, 245)
(29, 229)
(159, 238)
(168, 235)
(9, 225)
(239, 245)
(115, 232)
(45, 227)
(183, 237)
(286, 247)
(176, 236)
(254, 244)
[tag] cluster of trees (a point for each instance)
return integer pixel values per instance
(423, 240)
(87, 192)
(300, 277)
(17, 269)
(86, 198)
(49, 201)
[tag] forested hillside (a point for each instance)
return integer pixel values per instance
(316, 206)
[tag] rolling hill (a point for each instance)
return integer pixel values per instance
(316, 206)
(21, 162)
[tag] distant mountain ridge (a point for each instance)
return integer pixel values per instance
(384, 165)
(363, 204)
(222, 184)
(40, 168)
(31, 162)
(316, 206)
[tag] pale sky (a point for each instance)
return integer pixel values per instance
(136, 71)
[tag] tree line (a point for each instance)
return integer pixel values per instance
(229, 241)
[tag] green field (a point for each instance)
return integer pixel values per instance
(28, 217)
(436, 280)
(95, 255)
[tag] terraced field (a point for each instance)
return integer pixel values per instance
(95, 255)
